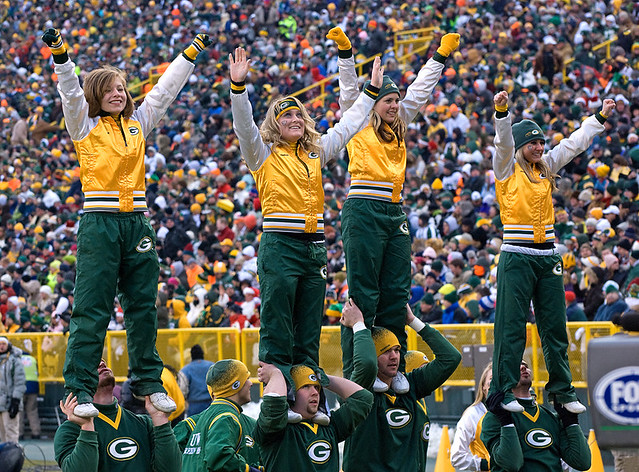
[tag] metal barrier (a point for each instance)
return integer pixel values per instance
(221, 343)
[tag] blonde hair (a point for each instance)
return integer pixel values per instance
(387, 132)
(480, 396)
(270, 130)
(96, 84)
(543, 166)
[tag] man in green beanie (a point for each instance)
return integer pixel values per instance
(530, 268)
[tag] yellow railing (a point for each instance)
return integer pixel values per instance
(220, 343)
(414, 36)
(137, 90)
(606, 44)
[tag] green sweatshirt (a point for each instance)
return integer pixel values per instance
(216, 440)
(249, 448)
(308, 446)
(535, 443)
(395, 434)
(122, 441)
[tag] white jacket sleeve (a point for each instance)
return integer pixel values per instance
(460, 456)
(348, 91)
(503, 160)
(74, 105)
(570, 147)
(353, 120)
(253, 149)
(420, 90)
(157, 101)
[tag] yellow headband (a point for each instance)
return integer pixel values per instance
(384, 340)
(287, 104)
(302, 376)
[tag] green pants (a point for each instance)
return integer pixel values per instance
(292, 275)
(377, 250)
(520, 279)
(116, 253)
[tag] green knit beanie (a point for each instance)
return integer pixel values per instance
(388, 86)
(526, 131)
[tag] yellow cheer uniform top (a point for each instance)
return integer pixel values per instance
(289, 179)
(290, 185)
(526, 207)
(111, 150)
(377, 168)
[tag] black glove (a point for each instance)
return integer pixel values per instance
(567, 418)
(493, 404)
(14, 407)
(53, 39)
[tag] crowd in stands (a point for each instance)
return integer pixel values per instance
(202, 198)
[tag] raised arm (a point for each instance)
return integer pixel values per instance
(74, 105)
(364, 358)
(354, 118)
(573, 445)
(432, 375)
(420, 90)
(167, 455)
(157, 101)
(348, 90)
(570, 147)
(253, 149)
(503, 159)
(499, 435)
(76, 441)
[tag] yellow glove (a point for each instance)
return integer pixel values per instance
(337, 35)
(448, 44)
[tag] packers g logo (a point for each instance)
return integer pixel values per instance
(557, 270)
(313, 378)
(319, 452)
(133, 130)
(145, 245)
(235, 385)
(123, 449)
(312, 155)
(397, 418)
(426, 431)
(324, 272)
(538, 438)
(404, 228)
(249, 441)
(542, 175)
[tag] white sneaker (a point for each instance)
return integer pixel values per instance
(86, 410)
(161, 401)
(293, 417)
(379, 386)
(574, 407)
(321, 419)
(513, 407)
(400, 383)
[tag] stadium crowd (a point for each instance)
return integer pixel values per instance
(202, 198)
